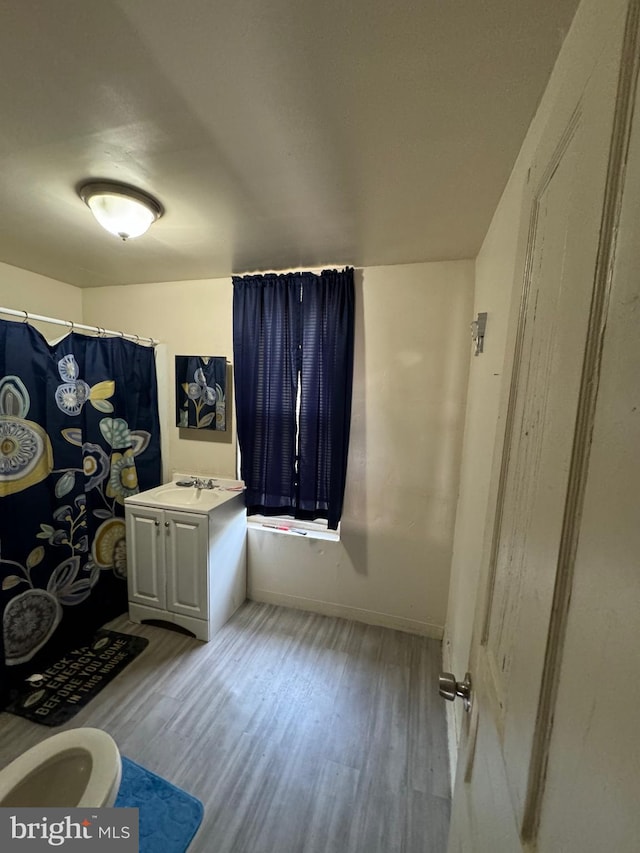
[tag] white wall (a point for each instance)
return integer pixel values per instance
(412, 354)
(29, 291)
(392, 564)
(190, 318)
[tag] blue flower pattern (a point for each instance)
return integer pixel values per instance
(73, 393)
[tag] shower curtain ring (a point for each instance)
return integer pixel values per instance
(137, 339)
(26, 316)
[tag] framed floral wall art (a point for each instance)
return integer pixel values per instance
(201, 392)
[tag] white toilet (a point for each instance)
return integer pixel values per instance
(79, 768)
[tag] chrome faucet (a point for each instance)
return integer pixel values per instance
(199, 483)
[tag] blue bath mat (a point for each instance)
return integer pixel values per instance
(169, 817)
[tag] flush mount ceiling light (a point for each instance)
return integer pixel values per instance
(122, 210)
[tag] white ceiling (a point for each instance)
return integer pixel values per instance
(276, 133)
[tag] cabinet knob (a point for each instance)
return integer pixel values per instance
(157, 523)
(166, 524)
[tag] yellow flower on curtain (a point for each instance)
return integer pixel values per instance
(109, 549)
(123, 477)
(26, 455)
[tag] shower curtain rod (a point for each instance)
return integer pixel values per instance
(26, 316)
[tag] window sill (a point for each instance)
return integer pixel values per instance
(292, 527)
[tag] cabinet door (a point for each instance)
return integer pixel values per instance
(146, 556)
(187, 545)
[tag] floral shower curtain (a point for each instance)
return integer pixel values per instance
(79, 432)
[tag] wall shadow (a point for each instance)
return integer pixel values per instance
(353, 527)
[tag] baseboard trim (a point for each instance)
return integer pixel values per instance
(358, 614)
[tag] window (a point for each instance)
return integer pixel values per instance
(293, 359)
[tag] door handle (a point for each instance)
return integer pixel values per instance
(449, 688)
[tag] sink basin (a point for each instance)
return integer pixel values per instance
(172, 496)
(187, 496)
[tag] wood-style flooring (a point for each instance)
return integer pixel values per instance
(300, 733)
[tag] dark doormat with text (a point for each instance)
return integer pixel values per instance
(54, 695)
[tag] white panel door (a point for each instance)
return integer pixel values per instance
(187, 544)
(569, 226)
(593, 771)
(145, 556)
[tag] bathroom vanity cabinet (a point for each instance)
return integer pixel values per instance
(186, 566)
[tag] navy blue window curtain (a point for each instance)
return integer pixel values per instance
(79, 432)
(293, 339)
